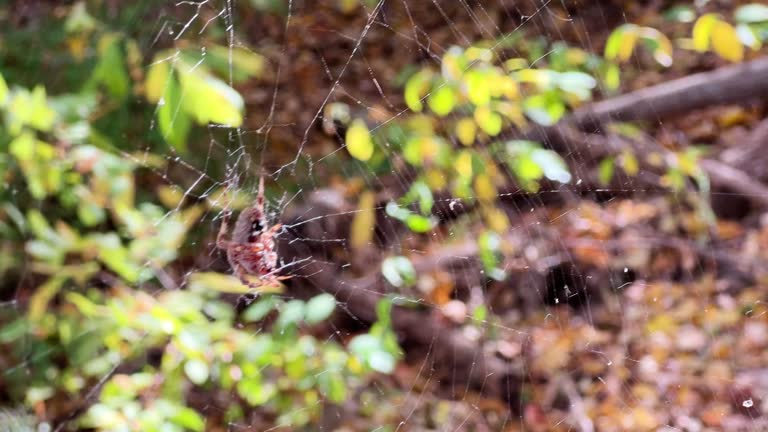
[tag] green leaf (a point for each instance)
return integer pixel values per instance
(420, 192)
(115, 256)
(36, 159)
(3, 91)
(260, 309)
(680, 13)
(605, 171)
(575, 81)
(442, 100)
(552, 165)
(382, 361)
(490, 255)
(188, 418)
(398, 271)
(111, 70)
(173, 120)
(751, 13)
(489, 121)
(30, 109)
(157, 79)
(420, 224)
(320, 308)
(612, 77)
(415, 88)
(197, 371)
(478, 87)
(241, 62)
(621, 43)
(291, 313)
(358, 140)
(545, 109)
(42, 296)
(208, 99)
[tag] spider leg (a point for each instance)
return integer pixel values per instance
(221, 241)
(275, 229)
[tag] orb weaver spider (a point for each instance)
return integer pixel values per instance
(251, 250)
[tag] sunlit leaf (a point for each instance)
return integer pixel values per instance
(415, 88)
(488, 120)
(319, 308)
(442, 100)
(454, 64)
(751, 13)
(156, 80)
(542, 78)
(420, 224)
(197, 371)
(208, 99)
(552, 164)
(702, 31)
(726, 43)
(382, 361)
(545, 109)
(621, 43)
(659, 45)
(188, 418)
(478, 87)
(358, 140)
(398, 271)
(30, 109)
(748, 36)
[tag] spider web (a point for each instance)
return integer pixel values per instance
(578, 325)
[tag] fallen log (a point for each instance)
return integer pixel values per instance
(731, 84)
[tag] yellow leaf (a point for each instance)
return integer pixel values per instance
(42, 296)
(485, 189)
(464, 164)
(204, 281)
(435, 179)
(359, 143)
(496, 219)
(466, 130)
(362, 225)
(702, 31)
(726, 43)
(627, 45)
(629, 163)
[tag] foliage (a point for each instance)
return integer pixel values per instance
(97, 241)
